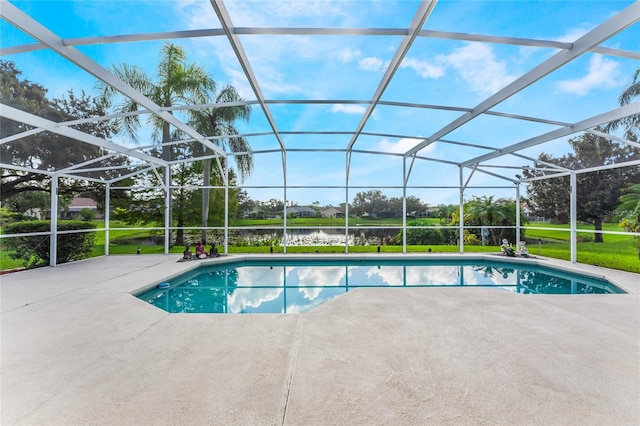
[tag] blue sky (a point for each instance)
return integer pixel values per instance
(435, 71)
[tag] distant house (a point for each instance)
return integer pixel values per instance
(252, 214)
(81, 203)
(332, 212)
(429, 212)
(77, 204)
(300, 211)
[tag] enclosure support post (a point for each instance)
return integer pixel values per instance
(517, 242)
(461, 230)
(107, 206)
(404, 205)
(53, 237)
(284, 222)
(346, 203)
(226, 208)
(574, 214)
(167, 209)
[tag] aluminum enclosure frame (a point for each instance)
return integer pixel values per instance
(567, 52)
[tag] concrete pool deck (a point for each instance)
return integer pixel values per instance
(78, 348)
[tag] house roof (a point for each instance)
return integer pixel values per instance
(83, 202)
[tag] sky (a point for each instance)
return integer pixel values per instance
(435, 71)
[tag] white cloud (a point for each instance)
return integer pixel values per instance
(348, 54)
(423, 68)
(266, 55)
(402, 146)
(370, 64)
(323, 276)
(573, 34)
(246, 298)
(477, 65)
(602, 73)
(349, 109)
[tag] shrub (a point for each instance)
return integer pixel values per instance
(471, 239)
(8, 216)
(421, 236)
(34, 250)
(582, 238)
(86, 215)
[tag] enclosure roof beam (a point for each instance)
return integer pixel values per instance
(464, 186)
(90, 179)
(30, 26)
(608, 166)
(585, 170)
(25, 169)
(103, 169)
(53, 127)
(86, 163)
(356, 102)
(422, 14)
(616, 114)
(134, 173)
(534, 160)
(236, 45)
(213, 32)
(602, 32)
(499, 176)
(612, 137)
(315, 102)
(20, 135)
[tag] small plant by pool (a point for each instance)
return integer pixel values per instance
(296, 286)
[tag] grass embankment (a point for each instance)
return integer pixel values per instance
(617, 252)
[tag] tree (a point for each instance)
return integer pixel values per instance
(373, 202)
(246, 204)
(597, 192)
(444, 212)
(630, 202)
(45, 151)
(186, 197)
(414, 204)
(485, 211)
(631, 124)
(29, 202)
(178, 83)
(630, 209)
(32, 151)
(220, 121)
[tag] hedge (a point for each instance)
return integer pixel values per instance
(34, 250)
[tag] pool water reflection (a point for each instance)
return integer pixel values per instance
(297, 286)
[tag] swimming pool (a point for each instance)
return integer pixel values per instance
(296, 286)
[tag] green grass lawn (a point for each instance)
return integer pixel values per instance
(617, 252)
(562, 233)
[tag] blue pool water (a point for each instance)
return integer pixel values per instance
(292, 286)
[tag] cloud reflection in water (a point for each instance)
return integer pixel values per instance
(279, 288)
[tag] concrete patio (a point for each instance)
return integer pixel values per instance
(78, 348)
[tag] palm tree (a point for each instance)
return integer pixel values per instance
(481, 211)
(485, 211)
(631, 124)
(178, 83)
(630, 206)
(220, 121)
